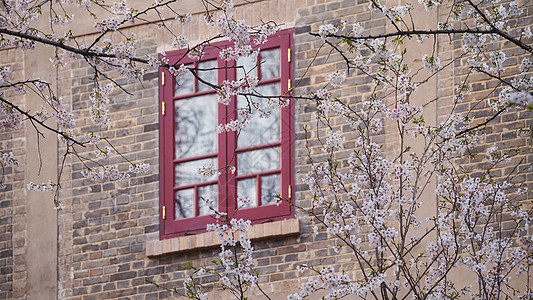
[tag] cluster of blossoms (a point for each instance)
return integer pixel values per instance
(226, 5)
(336, 78)
(180, 71)
(278, 102)
(5, 74)
(492, 154)
(209, 171)
(154, 61)
(109, 24)
(233, 53)
(357, 30)
(109, 172)
(41, 115)
(184, 19)
(104, 153)
(12, 118)
(430, 4)
(61, 20)
(65, 119)
(8, 160)
(263, 32)
(43, 187)
(329, 29)
(334, 141)
(336, 284)
(180, 41)
(230, 88)
(510, 98)
(235, 254)
(92, 138)
(99, 105)
(431, 62)
(140, 168)
(461, 91)
(241, 34)
(122, 50)
(233, 125)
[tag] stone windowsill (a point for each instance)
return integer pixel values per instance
(209, 239)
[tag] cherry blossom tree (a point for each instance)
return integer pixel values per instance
(370, 202)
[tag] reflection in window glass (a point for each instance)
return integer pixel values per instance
(258, 161)
(269, 189)
(246, 189)
(195, 126)
(269, 64)
(260, 130)
(187, 172)
(183, 85)
(184, 204)
(246, 65)
(210, 75)
(207, 198)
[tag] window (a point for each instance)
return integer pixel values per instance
(261, 153)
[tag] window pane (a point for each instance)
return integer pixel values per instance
(246, 65)
(183, 85)
(246, 189)
(209, 75)
(207, 197)
(269, 189)
(187, 173)
(258, 161)
(195, 126)
(260, 130)
(269, 64)
(184, 204)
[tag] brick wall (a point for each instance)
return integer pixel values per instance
(12, 195)
(104, 228)
(105, 225)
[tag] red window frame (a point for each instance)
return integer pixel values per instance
(227, 145)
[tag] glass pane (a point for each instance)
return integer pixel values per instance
(246, 65)
(210, 75)
(207, 198)
(183, 85)
(184, 204)
(258, 161)
(269, 64)
(187, 173)
(195, 126)
(260, 130)
(269, 189)
(246, 193)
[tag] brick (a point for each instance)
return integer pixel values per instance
(123, 275)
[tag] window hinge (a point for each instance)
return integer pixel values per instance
(290, 192)
(289, 54)
(163, 78)
(288, 84)
(163, 108)
(164, 212)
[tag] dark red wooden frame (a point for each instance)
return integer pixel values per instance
(227, 145)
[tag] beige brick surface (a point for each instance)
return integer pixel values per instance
(109, 232)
